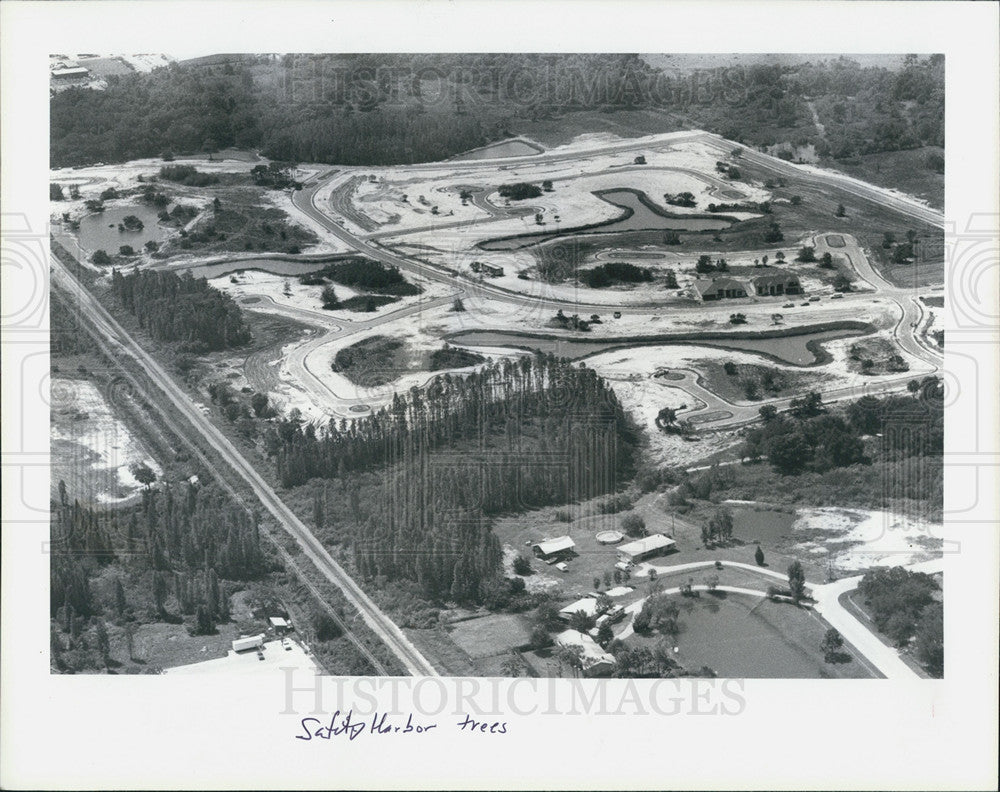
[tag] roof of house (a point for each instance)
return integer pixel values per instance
(592, 653)
(588, 605)
(550, 546)
(277, 621)
(773, 276)
(647, 544)
(712, 285)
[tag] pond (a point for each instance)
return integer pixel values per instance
(505, 148)
(274, 266)
(638, 216)
(790, 349)
(99, 231)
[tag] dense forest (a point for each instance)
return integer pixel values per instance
(392, 109)
(182, 308)
(179, 553)
(515, 435)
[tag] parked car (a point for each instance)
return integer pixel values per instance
(806, 303)
(837, 296)
(788, 305)
(814, 298)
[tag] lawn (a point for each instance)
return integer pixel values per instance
(741, 636)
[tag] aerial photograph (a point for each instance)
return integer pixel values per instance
(497, 365)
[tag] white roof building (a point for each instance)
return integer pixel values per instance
(588, 605)
(278, 623)
(248, 642)
(550, 547)
(645, 547)
(594, 660)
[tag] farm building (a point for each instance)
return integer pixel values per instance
(776, 282)
(588, 605)
(554, 549)
(720, 288)
(594, 660)
(647, 547)
(70, 73)
(248, 642)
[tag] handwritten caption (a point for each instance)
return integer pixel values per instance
(345, 724)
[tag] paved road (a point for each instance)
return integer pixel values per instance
(826, 599)
(723, 414)
(387, 631)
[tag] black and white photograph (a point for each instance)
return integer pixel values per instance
(601, 370)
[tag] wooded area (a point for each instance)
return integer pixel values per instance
(513, 436)
(392, 109)
(181, 308)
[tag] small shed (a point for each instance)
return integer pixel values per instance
(279, 624)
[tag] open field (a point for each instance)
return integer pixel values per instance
(735, 635)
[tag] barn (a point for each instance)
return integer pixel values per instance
(647, 547)
(551, 550)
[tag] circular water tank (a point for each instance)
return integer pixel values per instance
(609, 537)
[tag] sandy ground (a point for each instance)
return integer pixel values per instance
(271, 289)
(97, 449)
(855, 539)
(277, 655)
(571, 200)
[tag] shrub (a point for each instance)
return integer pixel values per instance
(522, 565)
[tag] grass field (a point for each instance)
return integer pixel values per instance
(498, 633)
(740, 636)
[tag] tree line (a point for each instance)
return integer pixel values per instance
(515, 435)
(181, 308)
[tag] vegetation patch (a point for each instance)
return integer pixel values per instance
(237, 221)
(751, 381)
(365, 274)
(875, 356)
(373, 361)
(452, 357)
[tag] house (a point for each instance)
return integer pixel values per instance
(647, 547)
(552, 550)
(588, 605)
(775, 282)
(594, 661)
(248, 642)
(720, 288)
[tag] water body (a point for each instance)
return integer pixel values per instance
(274, 266)
(638, 217)
(505, 148)
(99, 231)
(789, 349)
